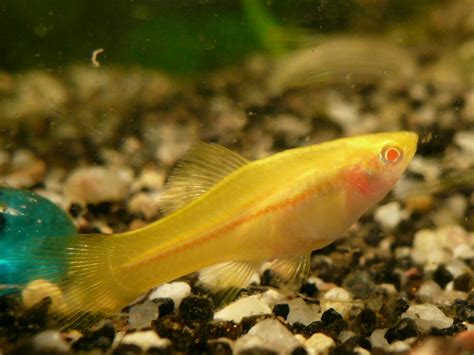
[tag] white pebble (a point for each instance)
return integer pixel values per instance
(141, 315)
(429, 289)
(244, 307)
(145, 340)
(319, 344)
(274, 335)
(338, 299)
(427, 316)
(390, 215)
(147, 204)
(98, 184)
(345, 335)
(338, 294)
(50, 341)
(427, 249)
(377, 338)
(465, 140)
(457, 267)
(302, 312)
(174, 290)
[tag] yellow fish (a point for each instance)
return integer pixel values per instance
(226, 210)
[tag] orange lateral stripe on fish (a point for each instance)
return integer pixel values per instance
(227, 215)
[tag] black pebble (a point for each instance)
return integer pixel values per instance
(165, 306)
(392, 308)
(359, 283)
(300, 328)
(464, 310)
(309, 289)
(257, 351)
(463, 282)
(310, 329)
(455, 328)
(75, 210)
(172, 327)
(281, 310)
(442, 276)
(405, 328)
(101, 338)
(35, 319)
(299, 351)
(365, 322)
(374, 236)
(127, 349)
(342, 349)
(158, 351)
(400, 306)
(195, 309)
(250, 321)
(358, 340)
(269, 278)
(333, 321)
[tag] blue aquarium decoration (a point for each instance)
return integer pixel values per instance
(27, 219)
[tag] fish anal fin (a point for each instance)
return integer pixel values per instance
(292, 272)
(201, 167)
(225, 280)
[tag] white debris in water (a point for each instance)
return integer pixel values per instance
(174, 290)
(319, 344)
(302, 312)
(390, 215)
(145, 340)
(243, 307)
(270, 334)
(427, 316)
(141, 315)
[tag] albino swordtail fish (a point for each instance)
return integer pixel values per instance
(227, 215)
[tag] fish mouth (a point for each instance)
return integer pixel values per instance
(411, 141)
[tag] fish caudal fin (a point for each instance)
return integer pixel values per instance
(77, 273)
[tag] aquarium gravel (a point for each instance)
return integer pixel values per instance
(100, 143)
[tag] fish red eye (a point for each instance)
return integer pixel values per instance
(391, 154)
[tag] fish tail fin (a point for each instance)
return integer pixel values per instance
(77, 273)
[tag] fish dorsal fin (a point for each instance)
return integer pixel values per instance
(201, 167)
(225, 280)
(292, 272)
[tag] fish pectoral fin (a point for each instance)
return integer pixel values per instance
(201, 167)
(225, 280)
(292, 272)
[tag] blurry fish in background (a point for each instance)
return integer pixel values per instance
(341, 61)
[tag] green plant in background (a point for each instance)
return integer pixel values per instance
(182, 36)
